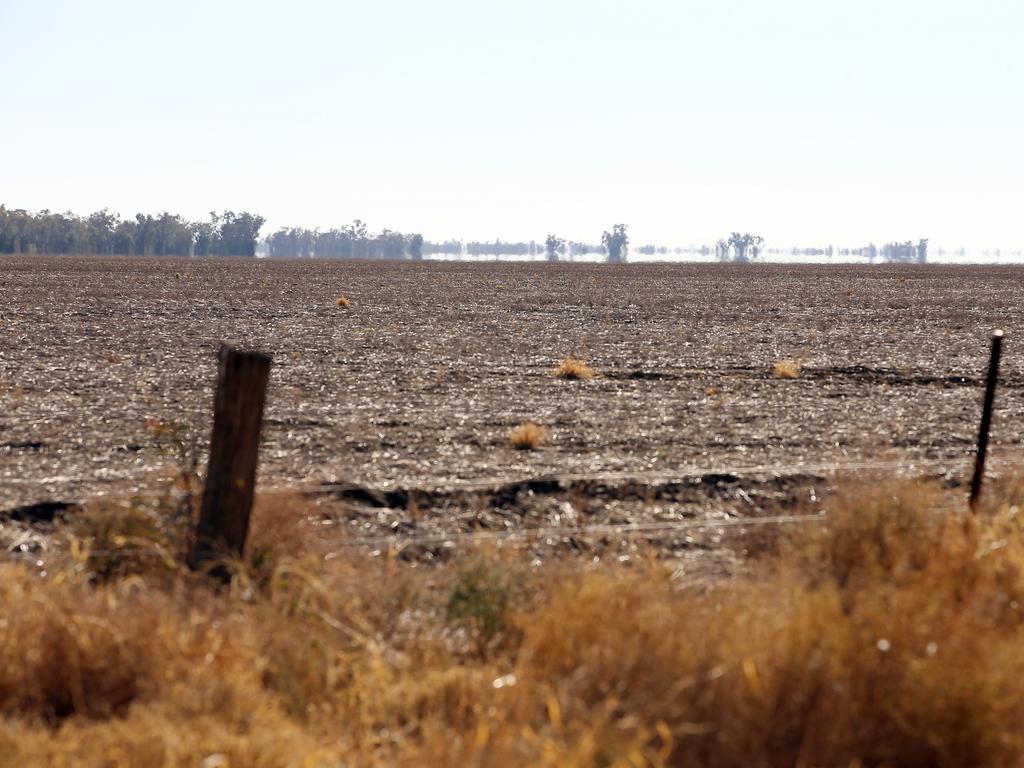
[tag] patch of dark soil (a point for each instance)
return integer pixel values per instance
(40, 512)
(868, 375)
(651, 375)
(27, 445)
(518, 496)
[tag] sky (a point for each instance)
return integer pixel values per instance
(806, 121)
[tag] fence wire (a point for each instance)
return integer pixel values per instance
(580, 532)
(540, 533)
(681, 474)
(402, 540)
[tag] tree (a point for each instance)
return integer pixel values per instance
(922, 250)
(358, 235)
(101, 227)
(906, 251)
(745, 244)
(125, 234)
(616, 242)
(416, 247)
(722, 250)
(554, 245)
(205, 235)
(103, 232)
(173, 236)
(237, 233)
(389, 245)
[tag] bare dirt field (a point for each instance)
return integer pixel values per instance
(396, 408)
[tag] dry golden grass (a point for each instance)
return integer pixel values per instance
(343, 301)
(527, 436)
(575, 369)
(892, 633)
(786, 369)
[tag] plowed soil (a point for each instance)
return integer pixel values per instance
(394, 410)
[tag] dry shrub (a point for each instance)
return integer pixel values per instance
(175, 675)
(892, 637)
(282, 529)
(527, 436)
(109, 540)
(67, 648)
(153, 735)
(483, 594)
(343, 301)
(574, 369)
(885, 531)
(786, 369)
(891, 633)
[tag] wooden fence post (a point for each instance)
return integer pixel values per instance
(986, 420)
(234, 450)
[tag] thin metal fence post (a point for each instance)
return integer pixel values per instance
(986, 420)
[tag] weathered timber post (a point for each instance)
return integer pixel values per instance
(234, 450)
(986, 419)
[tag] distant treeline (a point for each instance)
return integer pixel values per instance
(105, 233)
(237, 234)
(907, 251)
(356, 242)
(350, 242)
(500, 248)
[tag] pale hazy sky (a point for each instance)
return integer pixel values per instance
(808, 121)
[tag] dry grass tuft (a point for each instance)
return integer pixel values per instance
(483, 594)
(343, 301)
(527, 436)
(786, 369)
(890, 633)
(574, 369)
(112, 541)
